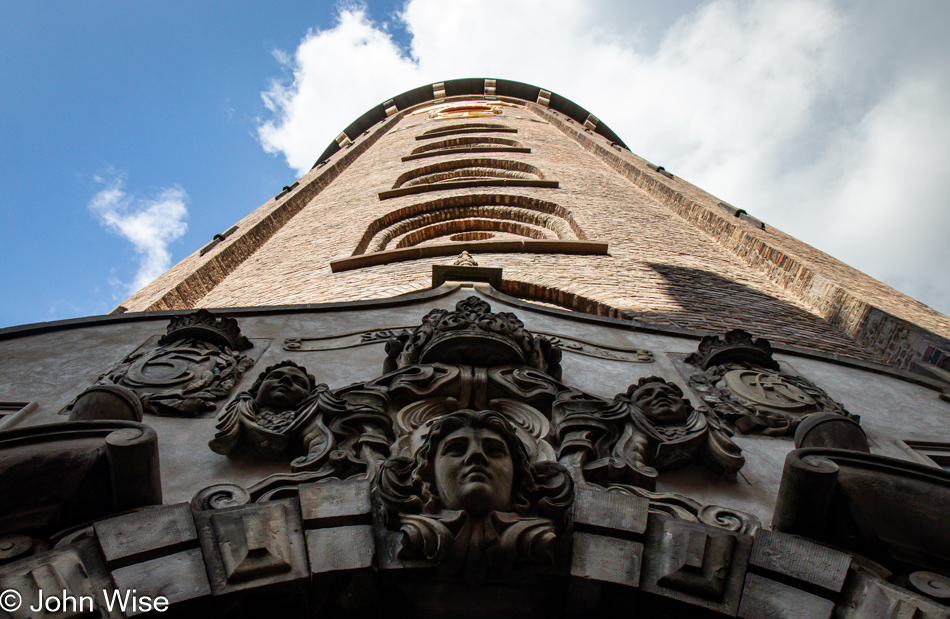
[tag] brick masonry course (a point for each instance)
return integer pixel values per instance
(675, 257)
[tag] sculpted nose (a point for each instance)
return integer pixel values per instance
(476, 456)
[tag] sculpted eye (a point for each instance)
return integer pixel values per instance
(496, 449)
(453, 448)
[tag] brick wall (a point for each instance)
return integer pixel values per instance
(675, 257)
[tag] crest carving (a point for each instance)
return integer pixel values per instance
(191, 369)
(473, 335)
(738, 379)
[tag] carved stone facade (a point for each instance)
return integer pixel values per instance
(458, 451)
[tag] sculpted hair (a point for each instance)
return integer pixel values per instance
(409, 485)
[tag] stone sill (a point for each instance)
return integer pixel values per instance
(500, 182)
(545, 246)
(473, 149)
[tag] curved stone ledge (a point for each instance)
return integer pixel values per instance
(589, 248)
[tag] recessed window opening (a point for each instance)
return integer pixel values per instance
(454, 143)
(539, 213)
(469, 169)
(447, 228)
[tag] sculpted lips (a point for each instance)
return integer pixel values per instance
(476, 474)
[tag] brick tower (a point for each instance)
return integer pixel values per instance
(482, 360)
(529, 182)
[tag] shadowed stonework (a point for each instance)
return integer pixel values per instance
(482, 360)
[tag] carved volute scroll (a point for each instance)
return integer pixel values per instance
(738, 378)
(473, 335)
(471, 499)
(627, 440)
(186, 374)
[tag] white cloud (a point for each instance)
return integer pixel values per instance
(826, 118)
(151, 225)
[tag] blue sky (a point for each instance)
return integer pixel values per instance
(132, 132)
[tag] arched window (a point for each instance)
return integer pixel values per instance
(463, 173)
(473, 144)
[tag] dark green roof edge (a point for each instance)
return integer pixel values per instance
(463, 87)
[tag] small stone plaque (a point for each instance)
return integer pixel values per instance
(763, 598)
(620, 513)
(800, 559)
(607, 559)
(340, 548)
(147, 534)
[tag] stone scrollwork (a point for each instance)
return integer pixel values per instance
(627, 440)
(286, 414)
(737, 377)
(471, 499)
(682, 507)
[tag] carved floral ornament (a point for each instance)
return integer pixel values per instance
(473, 442)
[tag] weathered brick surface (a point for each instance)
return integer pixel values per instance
(675, 257)
(879, 318)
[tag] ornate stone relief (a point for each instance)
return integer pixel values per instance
(627, 440)
(736, 376)
(382, 336)
(285, 414)
(471, 499)
(474, 442)
(473, 335)
(187, 372)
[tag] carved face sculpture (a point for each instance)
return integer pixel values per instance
(474, 471)
(661, 402)
(283, 388)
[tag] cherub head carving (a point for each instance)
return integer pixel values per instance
(473, 461)
(282, 387)
(662, 402)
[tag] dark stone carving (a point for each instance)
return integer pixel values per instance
(56, 476)
(286, 414)
(791, 557)
(220, 496)
(107, 402)
(13, 547)
(684, 508)
(764, 598)
(831, 430)
(738, 379)
(261, 417)
(701, 565)
(695, 560)
(190, 369)
(472, 501)
(204, 326)
(631, 355)
(155, 552)
(891, 511)
(879, 599)
(473, 335)
(252, 545)
(736, 346)
(72, 581)
(650, 427)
